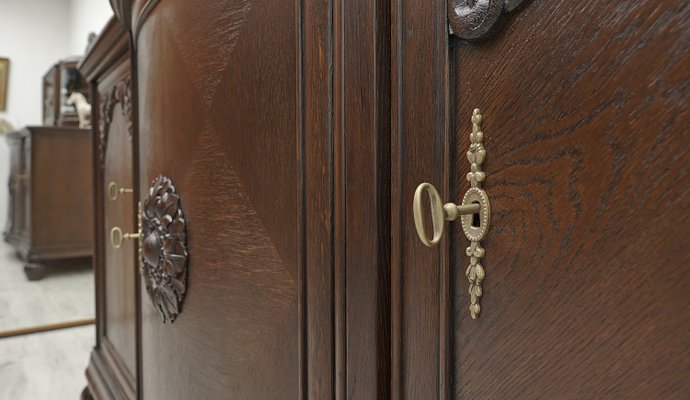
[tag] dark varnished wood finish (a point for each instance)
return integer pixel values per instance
(587, 293)
(221, 122)
(119, 268)
(279, 277)
(319, 323)
(288, 290)
(278, 174)
(419, 153)
(113, 368)
(585, 122)
(50, 208)
(362, 121)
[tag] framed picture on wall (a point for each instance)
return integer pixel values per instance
(4, 81)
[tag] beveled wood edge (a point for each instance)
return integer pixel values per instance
(95, 380)
(102, 382)
(118, 368)
(111, 44)
(436, 53)
(141, 16)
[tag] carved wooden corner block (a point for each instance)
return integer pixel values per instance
(163, 248)
(475, 19)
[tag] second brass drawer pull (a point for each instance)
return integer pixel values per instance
(117, 237)
(114, 191)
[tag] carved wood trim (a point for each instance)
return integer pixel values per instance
(119, 93)
(475, 19)
(123, 11)
(163, 248)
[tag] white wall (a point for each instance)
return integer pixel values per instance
(34, 34)
(87, 16)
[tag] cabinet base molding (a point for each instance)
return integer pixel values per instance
(104, 377)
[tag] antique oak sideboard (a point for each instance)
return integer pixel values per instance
(270, 180)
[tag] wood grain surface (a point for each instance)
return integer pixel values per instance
(119, 271)
(419, 153)
(273, 122)
(586, 128)
(220, 121)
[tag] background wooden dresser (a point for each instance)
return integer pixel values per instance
(50, 184)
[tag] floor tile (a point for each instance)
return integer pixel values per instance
(45, 366)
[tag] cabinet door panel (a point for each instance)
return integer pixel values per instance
(585, 128)
(217, 93)
(119, 268)
(586, 294)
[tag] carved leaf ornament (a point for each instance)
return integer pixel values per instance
(474, 19)
(164, 248)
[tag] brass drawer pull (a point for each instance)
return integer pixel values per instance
(474, 213)
(117, 237)
(114, 191)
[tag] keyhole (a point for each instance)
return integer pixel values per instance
(476, 221)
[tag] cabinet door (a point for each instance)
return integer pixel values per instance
(585, 126)
(271, 119)
(117, 275)
(217, 96)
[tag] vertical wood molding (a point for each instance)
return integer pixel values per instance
(346, 151)
(362, 166)
(420, 153)
(318, 279)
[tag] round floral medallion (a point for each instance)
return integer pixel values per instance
(164, 248)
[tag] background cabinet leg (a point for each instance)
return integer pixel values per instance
(34, 271)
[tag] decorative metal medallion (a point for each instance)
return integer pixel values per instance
(163, 248)
(475, 228)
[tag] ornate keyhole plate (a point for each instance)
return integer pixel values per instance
(163, 248)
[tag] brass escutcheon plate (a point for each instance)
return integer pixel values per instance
(476, 233)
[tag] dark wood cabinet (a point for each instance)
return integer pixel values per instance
(268, 247)
(50, 208)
